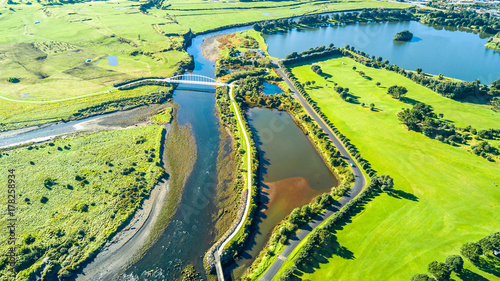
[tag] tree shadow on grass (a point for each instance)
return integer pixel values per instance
(400, 194)
(467, 275)
(409, 100)
(330, 246)
(489, 264)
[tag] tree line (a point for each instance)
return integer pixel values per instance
(484, 22)
(421, 118)
(371, 15)
(475, 252)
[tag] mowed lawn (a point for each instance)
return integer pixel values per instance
(457, 201)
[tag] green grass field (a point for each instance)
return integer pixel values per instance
(96, 182)
(47, 48)
(202, 15)
(456, 199)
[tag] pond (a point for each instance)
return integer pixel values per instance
(271, 89)
(436, 50)
(292, 174)
(112, 60)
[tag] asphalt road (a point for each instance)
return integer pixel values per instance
(359, 183)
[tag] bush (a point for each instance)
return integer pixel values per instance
(13, 80)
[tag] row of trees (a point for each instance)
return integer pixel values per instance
(365, 15)
(473, 251)
(323, 240)
(350, 147)
(421, 118)
(441, 270)
(464, 18)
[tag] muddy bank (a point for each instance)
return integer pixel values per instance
(112, 121)
(117, 253)
(210, 47)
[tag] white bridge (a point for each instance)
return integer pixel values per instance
(196, 79)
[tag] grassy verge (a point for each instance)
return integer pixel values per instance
(164, 117)
(439, 186)
(73, 194)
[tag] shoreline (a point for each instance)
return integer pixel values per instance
(117, 254)
(210, 47)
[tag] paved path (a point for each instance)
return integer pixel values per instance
(359, 183)
(218, 265)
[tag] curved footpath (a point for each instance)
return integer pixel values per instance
(218, 253)
(359, 183)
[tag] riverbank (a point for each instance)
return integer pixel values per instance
(67, 183)
(126, 119)
(210, 47)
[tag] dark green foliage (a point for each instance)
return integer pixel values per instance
(471, 251)
(49, 182)
(465, 18)
(316, 69)
(13, 80)
(418, 117)
(455, 263)
(439, 270)
(44, 200)
(403, 36)
(421, 277)
(397, 92)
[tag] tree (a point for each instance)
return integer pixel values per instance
(353, 68)
(316, 69)
(386, 182)
(421, 277)
(379, 59)
(403, 36)
(441, 76)
(397, 92)
(13, 80)
(372, 106)
(257, 27)
(378, 84)
(362, 73)
(496, 84)
(439, 270)
(455, 263)
(419, 70)
(471, 251)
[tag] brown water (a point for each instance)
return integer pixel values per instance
(292, 174)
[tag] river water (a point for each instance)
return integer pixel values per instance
(436, 50)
